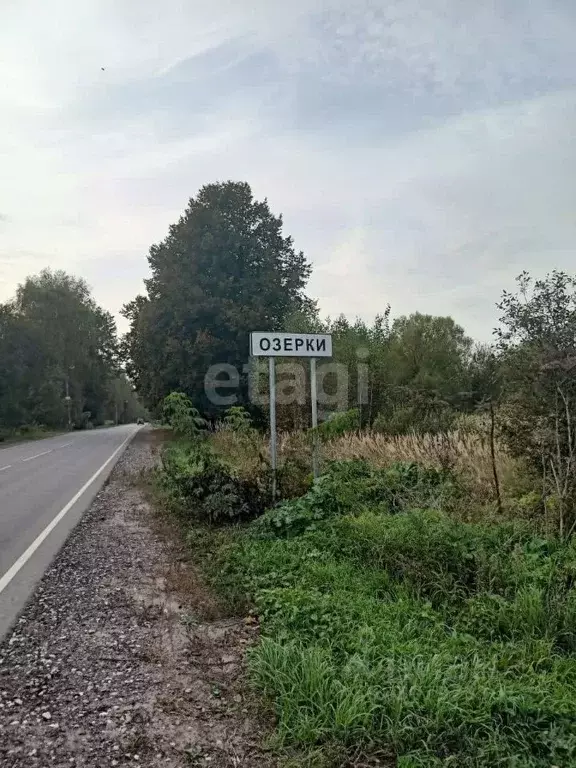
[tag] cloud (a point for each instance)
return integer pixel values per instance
(421, 156)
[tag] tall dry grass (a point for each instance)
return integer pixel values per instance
(464, 452)
(246, 452)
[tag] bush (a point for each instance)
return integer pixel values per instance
(177, 410)
(293, 478)
(339, 423)
(205, 488)
(439, 558)
(237, 419)
(415, 412)
(472, 423)
(387, 624)
(348, 486)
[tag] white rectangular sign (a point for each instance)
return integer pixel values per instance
(290, 344)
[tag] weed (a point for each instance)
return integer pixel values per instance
(448, 644)
(205, 488)
(348, 486)
(390, 627)
(464, 452)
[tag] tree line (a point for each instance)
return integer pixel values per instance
(226, 268)
(60, 359)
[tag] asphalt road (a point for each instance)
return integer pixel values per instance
(45, 486)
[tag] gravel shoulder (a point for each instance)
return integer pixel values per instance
(121, 656)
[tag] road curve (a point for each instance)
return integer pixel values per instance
(45, 486)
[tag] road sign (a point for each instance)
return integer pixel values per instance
(272, 345)
(290, 344)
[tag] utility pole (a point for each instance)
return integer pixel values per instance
(68, 399)
(68, 403)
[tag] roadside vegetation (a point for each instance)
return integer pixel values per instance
(417, 603)
(391, 626)
(27, 432)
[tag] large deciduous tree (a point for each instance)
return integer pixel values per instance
(20, 361)
(56, 342)
(424, 373)
(78, 342)
(225, 269)
(430, 352)
(537, 342)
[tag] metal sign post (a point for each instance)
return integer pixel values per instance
(272, 376)
(314, 401)
(273, 345)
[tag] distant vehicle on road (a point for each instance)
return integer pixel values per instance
(140, 421)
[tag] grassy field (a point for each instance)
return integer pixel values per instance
(392, 630)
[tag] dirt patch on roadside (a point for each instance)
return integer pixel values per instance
(122, 656)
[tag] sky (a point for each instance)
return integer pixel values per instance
(422, 154)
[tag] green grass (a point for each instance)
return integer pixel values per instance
(444, 643)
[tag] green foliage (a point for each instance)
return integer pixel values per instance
(416, 633)
(348, 486)
(26, 432)
(123, 405)
(205, 488)
(238, 420)
(56, 341)
(244, 451)
(224, 269)
(339, 423)
(417, 412)
(180, 414)
(543, 312)
(429, 353)
(395, 628)
(413, 371)
(294, 476)
(538, 360)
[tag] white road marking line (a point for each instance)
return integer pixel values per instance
(23, 559)
(6, 467)
(37, 455)
(64, 446)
